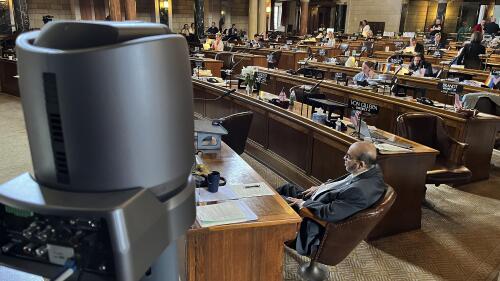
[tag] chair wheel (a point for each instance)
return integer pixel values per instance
(313, 271)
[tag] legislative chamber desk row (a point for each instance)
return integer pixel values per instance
(307, 153)
(241, 251)
(241, 60)
(478, 132)
(429, 84)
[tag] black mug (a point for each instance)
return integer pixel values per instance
(214, 180)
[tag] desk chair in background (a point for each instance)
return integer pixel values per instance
(227, 59)
(274, 59)
(341, 238)
(486, 105)
(428, 129)
(237, 126)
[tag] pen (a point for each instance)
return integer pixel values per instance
(250, 186)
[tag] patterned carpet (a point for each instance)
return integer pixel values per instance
(459, 239)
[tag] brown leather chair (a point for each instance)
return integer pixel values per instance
(486, 105)
(340, 238)
(237, 126)
(429, 130)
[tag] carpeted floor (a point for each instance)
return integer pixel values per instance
(459, 239)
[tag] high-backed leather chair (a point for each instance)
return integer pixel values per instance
(486, 105)
(274, 59)
(340, 238)
(237, 126)
(227, 59)
(428, 129)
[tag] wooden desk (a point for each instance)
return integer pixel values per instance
(429, 84)
(242, 251)
(243, 59)
(478, 132)
(307, 153)
(289, 59)
(213, 65)
(8, 83)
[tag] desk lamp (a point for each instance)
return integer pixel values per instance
(109, 117)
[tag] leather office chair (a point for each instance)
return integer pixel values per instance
(486, 105)
(340, 238)
(237, 126)
(274, 59)
(429, 130)
(227, 59)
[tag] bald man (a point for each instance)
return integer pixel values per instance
(337, 199)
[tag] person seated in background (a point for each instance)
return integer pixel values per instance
(439, 43)
(414, 47)
(257, 41)
(479, 27)
(192, 29)
(213, 29)
(329, 39)
(337, 199)
(463, 31)
(185, 30)
(492, 27)
(420, 67)
(469, 54)
(367, 72)
(218, 45)
(435, 28)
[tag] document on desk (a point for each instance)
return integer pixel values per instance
(386, 148)
(234, 211)
(224, 193)
(251, 189)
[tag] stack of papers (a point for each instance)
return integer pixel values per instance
(386, 148)
(235, 191)
(224, 213)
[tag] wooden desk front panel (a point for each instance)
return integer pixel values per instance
(8, 83)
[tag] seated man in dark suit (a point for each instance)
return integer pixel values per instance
(336, 200)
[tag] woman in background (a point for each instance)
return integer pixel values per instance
(469, 54)
(436, 27)
(218, 45)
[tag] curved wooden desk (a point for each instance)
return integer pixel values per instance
(306, 153)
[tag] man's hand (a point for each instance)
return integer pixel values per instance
(310, 191)
(294, 201)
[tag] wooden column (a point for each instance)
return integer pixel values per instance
(130, 9)
(261, 17)
(304, 16)
(253, 10)
(271, 21)
(115, 11)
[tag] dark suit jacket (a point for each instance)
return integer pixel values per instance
(339, 203)
(469, 56)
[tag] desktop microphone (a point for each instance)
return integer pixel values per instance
(227, 93)
(394, 78)
(441, 71)
(315, 86)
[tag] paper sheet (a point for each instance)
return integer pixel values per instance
(224, 213)
(224, 193)
(386, 148)
(251, 189)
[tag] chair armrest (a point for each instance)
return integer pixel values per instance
(306, 213)
(461, 149)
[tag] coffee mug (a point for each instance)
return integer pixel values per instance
(214, 180)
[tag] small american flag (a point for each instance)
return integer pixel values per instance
(355, 117)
